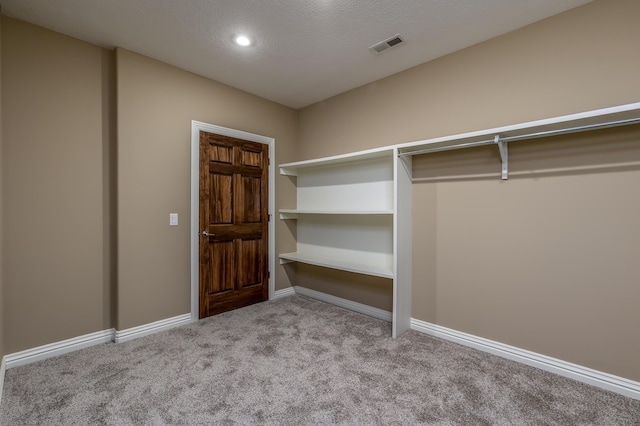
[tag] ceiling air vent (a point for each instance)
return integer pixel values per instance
(386, 44)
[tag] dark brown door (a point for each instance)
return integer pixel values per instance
(233, 223)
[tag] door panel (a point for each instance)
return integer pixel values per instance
(234, 216)
(221, 153)
(251, 158)
(250, 197)
(221, 199)
(250, 262)
(222, 266)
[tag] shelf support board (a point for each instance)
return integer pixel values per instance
(504, 155)
(287, 216)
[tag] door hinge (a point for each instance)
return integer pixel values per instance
(268, 161)
(269, 217)
(269, 274)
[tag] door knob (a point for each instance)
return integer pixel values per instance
(206, 234)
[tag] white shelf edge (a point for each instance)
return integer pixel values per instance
(595, 116)
(336, 264)
(293, 213)
(291, 169)
(522, 128)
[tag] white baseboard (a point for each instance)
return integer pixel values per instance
(65, 346)
(582, 374)
(600, 379)
(54, 349)
(344, 303)
(283, 293)
(573, 371)
(154, 327)
(2, 370)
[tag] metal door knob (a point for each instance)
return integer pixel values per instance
(206, 234)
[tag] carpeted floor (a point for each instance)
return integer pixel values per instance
(297, 361)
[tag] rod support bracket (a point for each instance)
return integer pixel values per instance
(504, 155)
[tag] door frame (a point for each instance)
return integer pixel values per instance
(196, 127)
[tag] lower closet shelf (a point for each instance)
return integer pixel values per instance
(340, 264)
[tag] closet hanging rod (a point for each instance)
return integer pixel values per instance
(534, 135)
(450, 147)
(572, 130)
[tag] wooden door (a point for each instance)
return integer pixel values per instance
(233, 223)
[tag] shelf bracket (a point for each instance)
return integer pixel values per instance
(504, 155)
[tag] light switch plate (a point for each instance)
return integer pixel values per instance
(173, 219)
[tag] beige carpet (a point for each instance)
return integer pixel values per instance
(297, 361)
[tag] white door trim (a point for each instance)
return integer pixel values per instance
(196, 127)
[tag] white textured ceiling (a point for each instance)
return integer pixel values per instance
(305, 51)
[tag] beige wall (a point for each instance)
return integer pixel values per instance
(374, 290)
(156, 104)
(53, 139)
(64, 185)
(86, 243)
(548, 260)
(2, 352)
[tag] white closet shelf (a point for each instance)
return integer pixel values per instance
(335, 263)
(291, 169)
(591, 120)
(572, 123)
(293, 213)
(333, 191)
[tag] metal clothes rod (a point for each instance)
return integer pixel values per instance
(449, 147)
(572, 130)
(526, 136)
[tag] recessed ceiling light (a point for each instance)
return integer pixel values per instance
(243, 40)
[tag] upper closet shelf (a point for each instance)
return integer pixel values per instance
(500, 136)
(291, 169)
(590, 120)
(621, 115)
